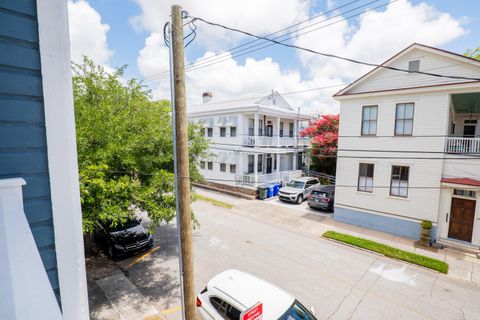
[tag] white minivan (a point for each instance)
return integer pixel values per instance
(232, 292)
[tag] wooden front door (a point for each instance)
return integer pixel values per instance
(462, 216)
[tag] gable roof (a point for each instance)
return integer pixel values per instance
(273, 104)
(396, 57)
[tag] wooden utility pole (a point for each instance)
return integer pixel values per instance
(182, 163)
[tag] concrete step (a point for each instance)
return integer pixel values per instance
(460, 246)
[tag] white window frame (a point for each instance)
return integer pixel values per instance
(365, 186)
(367, 123)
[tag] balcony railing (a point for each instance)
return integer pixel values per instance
(263, 141)
(461, 145)
(268, 178)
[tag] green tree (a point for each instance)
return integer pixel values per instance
(473, 53)
(125, 148)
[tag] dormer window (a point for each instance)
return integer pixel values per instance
(414, 65)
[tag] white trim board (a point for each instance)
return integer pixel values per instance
(62, 156)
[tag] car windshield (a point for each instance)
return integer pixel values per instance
(130, 223)
(296, 184)
(297, 312)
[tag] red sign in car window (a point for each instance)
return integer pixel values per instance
(254, 313)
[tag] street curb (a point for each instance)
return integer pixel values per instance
(382, 255)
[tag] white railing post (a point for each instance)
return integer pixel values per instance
(25, 291)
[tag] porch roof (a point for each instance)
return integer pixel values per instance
(463, 181)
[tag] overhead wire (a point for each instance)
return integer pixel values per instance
(329, 55)
(228, 51)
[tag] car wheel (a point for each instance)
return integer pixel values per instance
(299, 199)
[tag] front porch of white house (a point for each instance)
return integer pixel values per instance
(266, 130)
(464, 125)
(269, 166)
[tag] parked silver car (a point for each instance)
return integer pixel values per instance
(298, 189)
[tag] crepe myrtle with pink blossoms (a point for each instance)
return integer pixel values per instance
(324, 138)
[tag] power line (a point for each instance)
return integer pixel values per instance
(226, 52)
(137, 173)
(332, 55)
(242, 52)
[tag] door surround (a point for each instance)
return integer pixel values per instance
(462, 219)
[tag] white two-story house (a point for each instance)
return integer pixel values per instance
(251, 141)
(409, 147)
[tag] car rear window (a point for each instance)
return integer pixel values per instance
(319, 193)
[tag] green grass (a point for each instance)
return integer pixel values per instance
(388, 251)
(215, 201)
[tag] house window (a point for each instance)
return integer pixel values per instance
(365, 177)
(281, 129)
(260, 163)
(223, 131)
(260, 127)
(202, 164)
(399, 181)
(404, 119)
(233, 131)
(414, 65)
(369, 120)
(233, 168)
(464, 193)
(290, 130)
(210, 132)
(251, 163)
(223, 167)
(210, 165)
(251, 127)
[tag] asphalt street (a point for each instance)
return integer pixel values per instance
(340, 282)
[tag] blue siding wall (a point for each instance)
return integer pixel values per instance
(23, 146)
(393, 225)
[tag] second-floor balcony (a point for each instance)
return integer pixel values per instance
(461, 145)
(265, 141)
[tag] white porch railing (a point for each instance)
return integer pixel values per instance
(462, 145)
(25, 290)
(268, 178)
(263, 141)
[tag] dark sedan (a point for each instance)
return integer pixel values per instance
(123, 239)
(322, 197)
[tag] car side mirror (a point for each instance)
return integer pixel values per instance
(312, 310)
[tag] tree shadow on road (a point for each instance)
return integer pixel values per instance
(157, 275)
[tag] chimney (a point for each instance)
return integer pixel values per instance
(207, 96)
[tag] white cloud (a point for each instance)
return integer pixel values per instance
(373, 37)
(88, 35)
(378, 36)
(262, 17)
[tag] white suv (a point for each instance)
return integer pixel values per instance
(232, 292)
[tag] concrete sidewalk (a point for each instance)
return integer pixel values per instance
(300, 218)
(126, 299)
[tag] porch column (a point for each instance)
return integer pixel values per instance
(294, 166)
(255, 166)
(255, 130)
(277, 159)
(278, 131)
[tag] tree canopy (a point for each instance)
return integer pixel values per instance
(473, 53)
(125, 148)
(324, 137)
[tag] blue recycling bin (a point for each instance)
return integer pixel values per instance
(276, 188)
(270, 191)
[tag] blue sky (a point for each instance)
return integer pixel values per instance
(135, 25)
